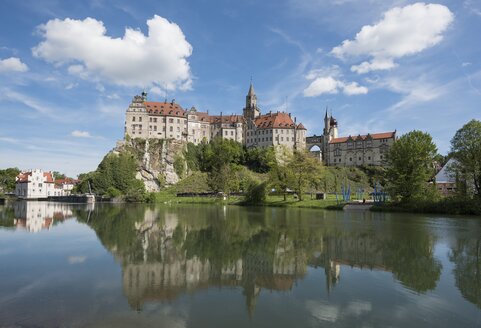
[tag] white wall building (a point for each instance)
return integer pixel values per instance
(34, 184)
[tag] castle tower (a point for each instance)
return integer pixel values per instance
(327, 125)
(251, 110)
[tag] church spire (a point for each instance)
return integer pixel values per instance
(251, 90)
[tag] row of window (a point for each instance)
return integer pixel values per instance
(263, 132)
(339, 160)
(263, 139)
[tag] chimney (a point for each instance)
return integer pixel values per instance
(290, 116)
(173, 101)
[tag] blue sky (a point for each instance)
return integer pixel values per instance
(68, 69)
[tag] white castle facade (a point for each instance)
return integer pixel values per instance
(168, 120)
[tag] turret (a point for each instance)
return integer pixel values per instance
(251, 111)
(327, 124)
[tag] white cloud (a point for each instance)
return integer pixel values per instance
(330, 83)
(12, 64)
(156, 59)
(401, 32)
(70, 86)
(81, 134)
(353, 88)
(322, 85)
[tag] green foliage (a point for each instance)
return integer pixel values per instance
(113, 192)
(260, 160)
(7, 179)
(466, 150)
(179, 165)
(410, 166)
(194, 183)
(304, 171)
(256, 193)
(58, 175)
(223, 179)
(447, 205)
(191, 156)
(114, 175)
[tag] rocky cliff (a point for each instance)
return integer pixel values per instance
(160, 162)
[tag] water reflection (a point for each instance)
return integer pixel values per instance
(168, 252)
(33, 216)
(326, 266)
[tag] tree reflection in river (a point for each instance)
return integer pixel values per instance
(165, 252)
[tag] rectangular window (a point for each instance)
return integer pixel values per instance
(178, 120)
(133, 119)
(155, 127)
(171, 129)
(232, 133)
(155, 120)
(150, 119)
(171, 120)
(140, 119)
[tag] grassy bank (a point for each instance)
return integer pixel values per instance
(444, 206)
(169, 197)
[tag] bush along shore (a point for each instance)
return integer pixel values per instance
(448, 205)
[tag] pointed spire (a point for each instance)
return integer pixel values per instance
(251, 90)
(325, 116)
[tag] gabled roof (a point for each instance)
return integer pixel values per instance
(164, 108)
(23, 177)
(373, 136)
(445, 176)
(274, 120)
(227, 119)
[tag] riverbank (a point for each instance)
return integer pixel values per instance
(271, 200)
(451, 206)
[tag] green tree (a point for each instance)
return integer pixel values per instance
(410, 166)
(223, 179)
(7, 179)
(304, 171)
(279, 177)
(58, 175)
(466, 150)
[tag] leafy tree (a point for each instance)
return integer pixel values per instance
(466, 150)
(58, 175)
(256, 192)
(223, 179)
(259, 159)
(7, 179)
(279, 178)
(304, 171)
(410, 166)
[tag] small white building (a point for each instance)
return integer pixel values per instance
(35, 184)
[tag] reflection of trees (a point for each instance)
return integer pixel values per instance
(169, 251)
(409, 255)
(466, 255)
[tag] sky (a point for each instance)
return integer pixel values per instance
(69, 69)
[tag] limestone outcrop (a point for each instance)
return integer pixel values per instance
(160, 162)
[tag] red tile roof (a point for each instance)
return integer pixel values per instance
(274, 120)
(23, 177)
(66, 181)
(164, 108)
(227, 119)
(48, 177)
(374, 136)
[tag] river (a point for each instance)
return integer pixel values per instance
(131, 265)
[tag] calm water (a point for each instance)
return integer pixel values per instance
(212, 266)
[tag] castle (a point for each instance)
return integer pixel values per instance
(369, 149)
(168, 120)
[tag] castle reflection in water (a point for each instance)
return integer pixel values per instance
(166, 252)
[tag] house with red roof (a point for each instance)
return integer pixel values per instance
(37, 184)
